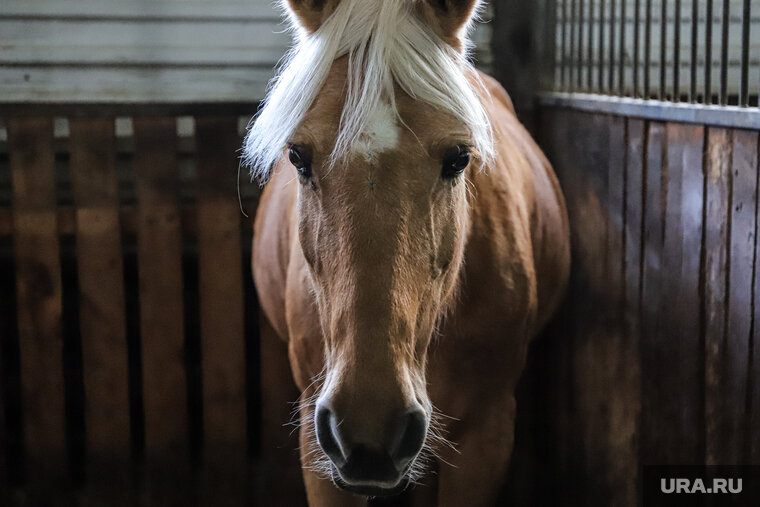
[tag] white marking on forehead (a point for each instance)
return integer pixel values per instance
(380, 134)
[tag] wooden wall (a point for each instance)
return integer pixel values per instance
(132, 369)
(655, 356)
(156, 51)
(135, 51)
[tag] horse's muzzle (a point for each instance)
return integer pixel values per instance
(372, 469)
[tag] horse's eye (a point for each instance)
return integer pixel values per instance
(455, 161)
(300, 159)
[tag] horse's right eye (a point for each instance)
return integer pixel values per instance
(299, 158)
(455, 161)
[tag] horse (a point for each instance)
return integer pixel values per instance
(410, 241)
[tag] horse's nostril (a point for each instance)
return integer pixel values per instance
(382, 456)
(412, 436)
(325, 421)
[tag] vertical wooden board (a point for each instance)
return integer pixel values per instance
(634, 221)
(651, 299)
(39, 299)
(4, 430)
(717, 203)
(585, 179)
(633, 245)
(101, 284)
(159, 241)
(557, 389)
(221, 310)
(753, 417)
(11, 438)
(680, 366)
(278, 472)
(619, 351)
(740, 303)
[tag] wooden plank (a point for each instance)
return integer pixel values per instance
(737, 344)
(634, 223)
(753, 378)
(555, 384)
(159, 252)
(142, 42)
(113, 84)
(278, 474)
(39, 300)
(583, 170)
(633, 253)
(7, 337)
(619, 350)
(221, 311)
(10, 381)
(717, 202)
(593, 348)
(101, 285)
(652, 297)
(679, 369)
(169, 10)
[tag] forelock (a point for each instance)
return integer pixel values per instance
(386, 44)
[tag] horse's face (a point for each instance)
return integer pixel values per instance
(383, 232)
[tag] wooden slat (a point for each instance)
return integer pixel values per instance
(651, 294)
(39, 298)
(278, 474)
(633, 247)
(717, 187)
(587, 189)
(221, 308)
(101, 284)
(159, 252)
(753, 417)
(7, 336)
(555, 384)
(634, 216)
(142, 42)
(135, 85)
(679, 365)
(169, 10)
(740, 303)
(619, 349)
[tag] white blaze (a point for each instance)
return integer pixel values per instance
(380, 134)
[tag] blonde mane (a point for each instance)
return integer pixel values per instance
(386, 43)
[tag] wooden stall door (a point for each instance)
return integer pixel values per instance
(653, 357)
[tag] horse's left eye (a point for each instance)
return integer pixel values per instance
(455, 161)
(299, 157)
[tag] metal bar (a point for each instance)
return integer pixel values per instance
(611, 69)
(636, 29)
(572, 45)
(677, 52)
(720, 116)
(724, 55)
(579, 82)
(549, 46)
(744, 85)
(694, 55)
(601, 45)
(648, 49)
(590, 57)
(562, 51)
(621, 52)
(707, 99)
(663, 47)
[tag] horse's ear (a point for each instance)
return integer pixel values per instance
(448, 18)
(310, 14)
